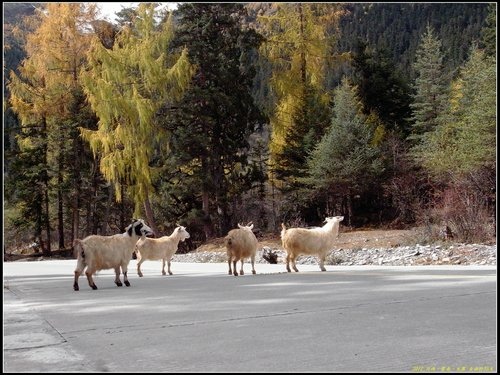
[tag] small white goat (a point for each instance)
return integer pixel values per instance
(314, 241)
(240, 244)
(104, 252)
(159, 248)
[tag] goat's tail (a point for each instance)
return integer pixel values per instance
(78, 249)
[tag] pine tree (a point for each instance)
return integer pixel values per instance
(382, 88)
(465, 139)
(126, 86)
(42, 96)
(212, 124)
(300, 41)
(345, 162)
(429, 100)
(489, 31)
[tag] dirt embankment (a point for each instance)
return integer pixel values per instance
(346, 240)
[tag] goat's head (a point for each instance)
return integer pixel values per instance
(249, 226)
(140, 229)
(334, 219)
(182, 232)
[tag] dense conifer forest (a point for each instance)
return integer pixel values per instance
(215, 114)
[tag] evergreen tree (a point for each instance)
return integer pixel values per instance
(465, 139)
(42, 96)
(345, 163)
(489, 31)
(126, 87)
(382, 88)
(429, 100)
(299, 45)
(460, 154)
(211, 125)
(399, 26)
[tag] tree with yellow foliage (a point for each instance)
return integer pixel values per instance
(126, 85)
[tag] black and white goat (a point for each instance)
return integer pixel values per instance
(97, 253)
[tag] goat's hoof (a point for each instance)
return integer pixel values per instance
(118, 284)
(140, 274)
(127, 283)
(235, 274)
(163, 273)
(94, 287)
(253, 271)
(75, 287)
(170, 273)
(242, 273)
(323, 269)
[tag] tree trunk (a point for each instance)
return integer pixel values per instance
(108, 209)
(45, 183)
(47, 248)
(303, 66)
(205, 205)
(123, 222)
(207, 222)
(75, 204)
(150, 216)
(349, 208)
(60, 205)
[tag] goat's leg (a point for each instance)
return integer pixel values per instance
(163, 267)
(78, 271)
(140, 261)
(168, 267)
(75, 282)
(241, 269)
(117, 276)
(322, 262)
(294, 266)
(288, 262)
(125, 278)
(229, 264)
(89, 273)
(252, 259)
(235, 272)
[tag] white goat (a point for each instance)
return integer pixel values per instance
(159, 248)
(104, 252)
(240, 244)
(314, 241)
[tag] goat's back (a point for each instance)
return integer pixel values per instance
(104, 252)
(156, 248)
(241, 242)
(306, 241)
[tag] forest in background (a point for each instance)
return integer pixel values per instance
(222, 113)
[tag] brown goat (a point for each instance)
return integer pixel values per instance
(241, 243)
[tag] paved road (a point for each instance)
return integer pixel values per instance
(354, 319)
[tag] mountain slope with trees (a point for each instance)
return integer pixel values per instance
(215, 114)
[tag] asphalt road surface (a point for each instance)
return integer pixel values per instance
(348, 319)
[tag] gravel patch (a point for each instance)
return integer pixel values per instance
(457, 254)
